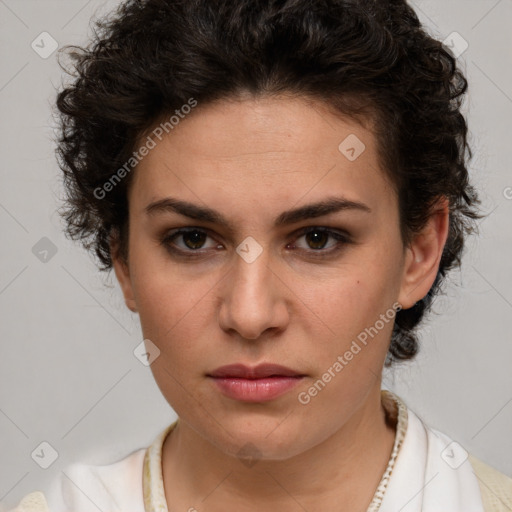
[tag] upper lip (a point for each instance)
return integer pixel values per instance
(256, 372)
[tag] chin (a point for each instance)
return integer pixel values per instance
(267, 439)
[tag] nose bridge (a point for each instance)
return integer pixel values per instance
(251, 272)
(249, 301)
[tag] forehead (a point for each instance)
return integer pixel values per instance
(262, 151)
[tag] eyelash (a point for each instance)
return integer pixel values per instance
(341, 238)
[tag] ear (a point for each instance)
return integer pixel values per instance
(122, 271)
(423, 256)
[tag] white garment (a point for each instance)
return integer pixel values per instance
(112, 488)
(424, 481)
(430, 473)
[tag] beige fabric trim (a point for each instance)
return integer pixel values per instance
(396, 415)
(33, 502)
(152, 480)
(496, 488)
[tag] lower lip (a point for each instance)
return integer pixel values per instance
(255, 390)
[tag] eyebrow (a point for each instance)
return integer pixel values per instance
(310, 211)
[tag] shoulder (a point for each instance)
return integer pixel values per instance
(496, 487)
(464, 477)
(115, 487)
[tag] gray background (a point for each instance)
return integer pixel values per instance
(68, 375)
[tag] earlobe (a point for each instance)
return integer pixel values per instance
(122, 271)
(424, 255)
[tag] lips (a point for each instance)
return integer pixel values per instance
(261, 371)
(255, 384)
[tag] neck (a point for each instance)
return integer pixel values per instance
(346, 467)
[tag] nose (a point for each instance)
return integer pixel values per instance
(254, 298)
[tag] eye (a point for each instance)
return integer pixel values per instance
(316, 239)
(193, 239)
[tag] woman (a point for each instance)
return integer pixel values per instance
(280, 188)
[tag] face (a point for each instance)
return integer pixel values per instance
(227, 266)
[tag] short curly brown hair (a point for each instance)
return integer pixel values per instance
(367, 58)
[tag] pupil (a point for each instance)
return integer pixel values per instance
(318, 237)
(196, 237)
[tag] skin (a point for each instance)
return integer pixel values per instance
(251, 159)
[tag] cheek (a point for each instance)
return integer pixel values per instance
(169, 310)
(166, 293)
(349, 356)
(172, 315)
(350, 301)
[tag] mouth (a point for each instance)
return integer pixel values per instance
(255, 384)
